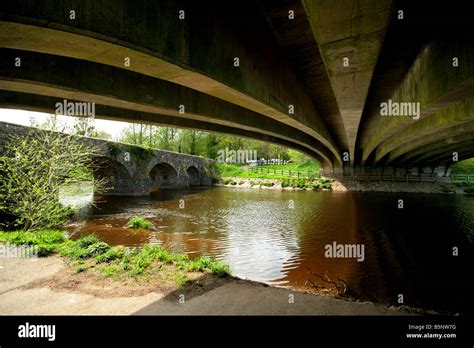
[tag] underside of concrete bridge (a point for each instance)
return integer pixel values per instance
(360, 85)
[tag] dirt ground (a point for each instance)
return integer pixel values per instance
(46, 286)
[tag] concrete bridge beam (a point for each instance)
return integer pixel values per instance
(85, 81)
(447, 151)
(39, 103)
(350, 37)
(433, 82)
(197, 52)
(423, 143)
(443, 120)
(448, 145)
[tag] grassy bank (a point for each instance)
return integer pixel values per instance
(235, 175)
(90, 254)
(269, 171)
(464, 167)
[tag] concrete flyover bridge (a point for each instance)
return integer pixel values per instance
(363, 86)
(134, 171)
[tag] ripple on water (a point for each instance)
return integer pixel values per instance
(279, 237)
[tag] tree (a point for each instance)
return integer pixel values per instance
(166, 138)
(212, 145)
(84, 126)
(33, 170)
(53, 123)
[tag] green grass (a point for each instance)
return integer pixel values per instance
(47, 242)
(238, 171)
(234, 171)
(297, 167)
(138, 222)
(205, 263)
(90, 252)
(464, 167)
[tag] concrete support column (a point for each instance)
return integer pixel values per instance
(440, 171)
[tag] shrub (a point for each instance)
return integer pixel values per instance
(138, 222)
(327, 186)
(35, 168)
(46, 241)
(204, 263)
(84, 248)
(111, 255)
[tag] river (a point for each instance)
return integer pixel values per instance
(279, 237)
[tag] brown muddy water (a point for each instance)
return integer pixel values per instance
(279, 237)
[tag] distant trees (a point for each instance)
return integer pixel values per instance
(201, 143)
(189, 141)
(82, 126)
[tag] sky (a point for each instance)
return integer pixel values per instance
(114, 128)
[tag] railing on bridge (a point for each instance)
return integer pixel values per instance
(287, 173)
(422, 178)
(452, 179)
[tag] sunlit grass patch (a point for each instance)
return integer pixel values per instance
(152, 262)
(205, 263)
(46, 241)
(138, 222)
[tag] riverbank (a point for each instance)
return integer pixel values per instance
(343, 185)
(276, 184)
(46, 286)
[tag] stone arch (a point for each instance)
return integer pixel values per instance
(118, 179)
(163, 175)
(205, 177)
(194, 178)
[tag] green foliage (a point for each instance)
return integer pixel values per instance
(110, 255)
(114, 150)
(89, 251)
(81, 174)
(35, 168)
(181, 279)
(464, 167)
(84, 248)
(138, 222)
(205, 263)
(46, 241)
(140, 154)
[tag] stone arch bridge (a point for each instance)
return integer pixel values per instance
(136, 171)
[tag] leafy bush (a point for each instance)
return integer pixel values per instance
(84, 248)
(35, 168)
(204, 263)
(110, 255)
(138, 222)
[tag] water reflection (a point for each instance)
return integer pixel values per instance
(279, 237)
